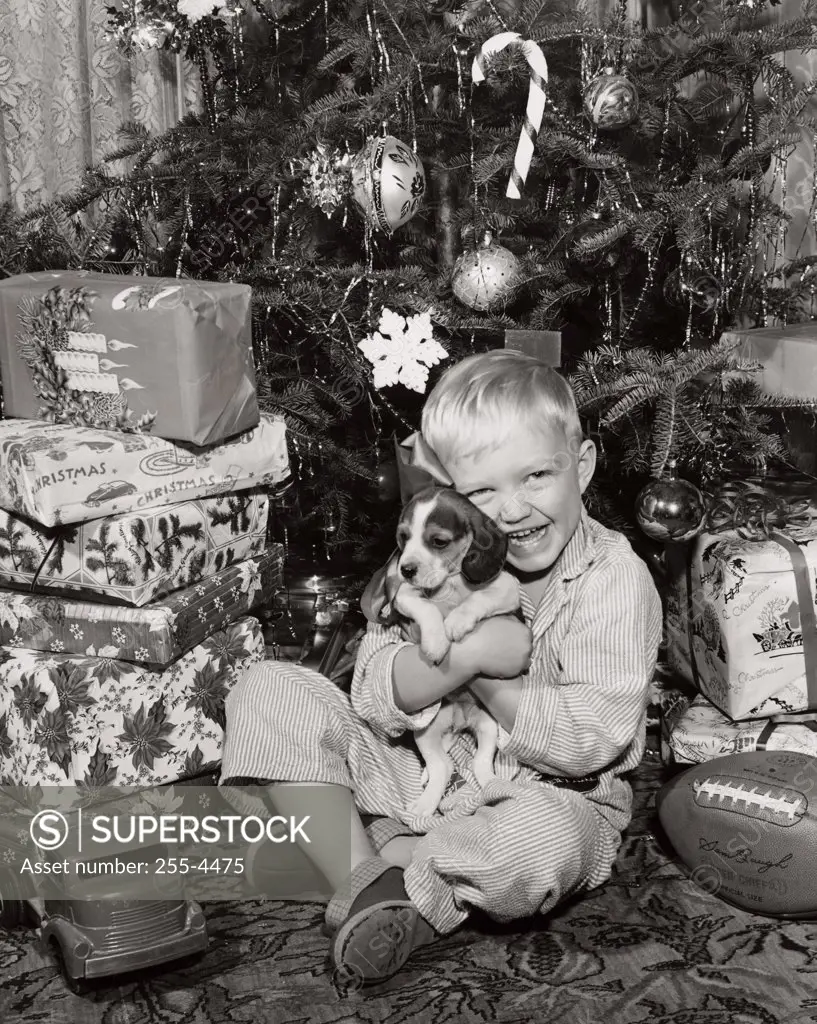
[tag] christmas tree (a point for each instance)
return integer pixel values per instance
(403, 182)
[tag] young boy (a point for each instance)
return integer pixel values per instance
(568, 688)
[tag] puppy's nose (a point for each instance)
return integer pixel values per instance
(408, 570)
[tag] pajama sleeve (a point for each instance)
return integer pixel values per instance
(580, 721)
(372, 692)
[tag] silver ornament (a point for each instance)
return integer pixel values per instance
(611, 100)
(388, 183)
(669, 509)
(486, 278)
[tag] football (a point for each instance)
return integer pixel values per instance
(745, 828)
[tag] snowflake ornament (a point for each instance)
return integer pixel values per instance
(402, 351)
(195, 10)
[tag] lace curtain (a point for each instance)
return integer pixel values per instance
(65, 90)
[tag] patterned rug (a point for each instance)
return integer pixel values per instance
(646, 947)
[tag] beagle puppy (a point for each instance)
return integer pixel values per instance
(445, 577)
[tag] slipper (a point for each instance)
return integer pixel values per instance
(381, 929)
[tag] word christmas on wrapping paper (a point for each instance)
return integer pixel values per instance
(60, 476)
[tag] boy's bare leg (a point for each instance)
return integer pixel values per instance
(323, 850)
(400, 850)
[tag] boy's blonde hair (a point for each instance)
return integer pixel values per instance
(477, 402)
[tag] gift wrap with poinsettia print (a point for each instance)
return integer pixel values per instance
(154, 635)
(102, 722)
(55, 474)
(695, 731)
(136, 557)
(740, 621)
(165, 356)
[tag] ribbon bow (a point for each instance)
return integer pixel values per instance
(418, 467)
(755, 511)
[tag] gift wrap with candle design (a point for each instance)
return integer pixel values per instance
(102, 722)
(154, 635)
(136, 557)
(695, 731)
(740, 621)
(55, 474)
(165, 356)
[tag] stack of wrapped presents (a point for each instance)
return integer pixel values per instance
(135, 482)
(741, 630)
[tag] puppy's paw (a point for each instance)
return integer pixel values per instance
(435, 646)
(483, 773)
(425, 805)
(459, 623)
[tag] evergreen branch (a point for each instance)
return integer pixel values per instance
(663, 434)
(327, 105)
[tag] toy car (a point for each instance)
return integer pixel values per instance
(114, 489)
(92, 939)
(95, 926)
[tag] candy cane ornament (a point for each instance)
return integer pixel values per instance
(536, 99)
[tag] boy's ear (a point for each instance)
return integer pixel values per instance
(586, 463)
(489, 546)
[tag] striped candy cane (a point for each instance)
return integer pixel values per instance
(536, 99)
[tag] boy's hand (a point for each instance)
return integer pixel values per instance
(499, 647)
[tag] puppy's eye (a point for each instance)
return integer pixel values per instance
(439, 542)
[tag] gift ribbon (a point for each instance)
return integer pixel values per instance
(754, 513)
(808, 719)
(536, 99)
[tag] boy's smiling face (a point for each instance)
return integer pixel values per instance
(531, 485)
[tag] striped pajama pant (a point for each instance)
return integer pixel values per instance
(514, 849)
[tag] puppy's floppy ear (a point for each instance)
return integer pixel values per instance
(388, 616)
(489, 546)
(378, 594)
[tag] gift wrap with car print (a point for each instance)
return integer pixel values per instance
(136, 557)
(740, 621)
(55, 474)
(166, 356)
(154, 635)
(695, 731)
(101, 722)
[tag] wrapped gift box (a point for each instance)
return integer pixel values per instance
(695, 731)
(55, 474)
(161, 355)
(737, 615)
(136, 557)
(100, 722)
(154, 635)
(788, 356)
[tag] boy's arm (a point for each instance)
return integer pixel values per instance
(500, 697)
(583, 720)
(395, 687)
